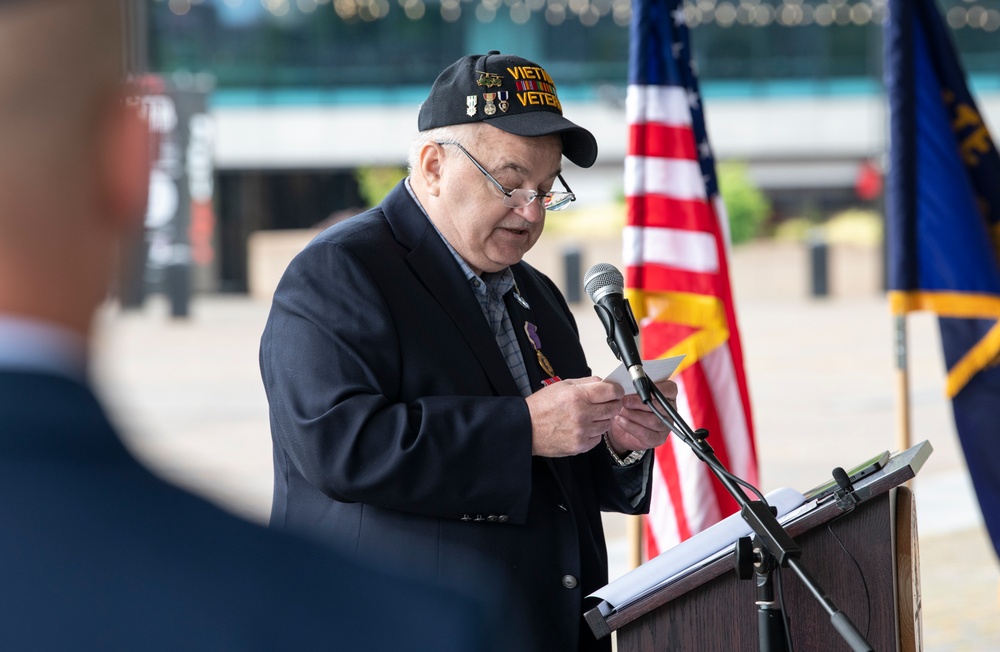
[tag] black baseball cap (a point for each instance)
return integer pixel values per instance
(509, 93)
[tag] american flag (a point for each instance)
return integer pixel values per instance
(676, 243)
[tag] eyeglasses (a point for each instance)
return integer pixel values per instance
(521, 197)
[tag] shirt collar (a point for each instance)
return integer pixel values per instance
(500, 282)
(34, 345)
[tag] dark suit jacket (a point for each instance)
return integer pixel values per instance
(399, 429)
(98, 554)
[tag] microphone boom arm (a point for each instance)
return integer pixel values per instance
(758, 516)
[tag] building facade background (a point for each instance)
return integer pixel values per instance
(302, 93)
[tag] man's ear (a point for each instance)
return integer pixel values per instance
(124, 165)
(431, 156)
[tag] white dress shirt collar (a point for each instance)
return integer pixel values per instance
(33, 345)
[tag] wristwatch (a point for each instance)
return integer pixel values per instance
(631, 458)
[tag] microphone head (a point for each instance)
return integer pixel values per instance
(840, 476)
(602, 279)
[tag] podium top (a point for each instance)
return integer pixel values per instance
(688, 556)
(619, 608)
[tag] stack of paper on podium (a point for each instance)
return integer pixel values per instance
(690, 555)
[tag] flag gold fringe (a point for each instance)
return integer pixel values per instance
(946, 304)
(985, 353)
(702, 312)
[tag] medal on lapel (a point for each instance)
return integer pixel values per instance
(536, 343)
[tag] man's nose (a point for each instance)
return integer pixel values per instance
(533, 212)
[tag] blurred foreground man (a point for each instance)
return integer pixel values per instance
(430, 400)
(95, 552)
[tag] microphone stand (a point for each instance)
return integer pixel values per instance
(778, 548)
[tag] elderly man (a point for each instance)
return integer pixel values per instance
(96, 553)
(430, 400)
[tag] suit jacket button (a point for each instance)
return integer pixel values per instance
(569, 581)
(562, 507)
(492, 518)
(479, 517)
(466, 517)
(503, 518)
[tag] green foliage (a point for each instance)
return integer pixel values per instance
(374, 183)
(747, 206)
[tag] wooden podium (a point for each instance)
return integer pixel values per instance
(864, 559)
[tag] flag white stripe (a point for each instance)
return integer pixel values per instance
(670, 177)
(661, 518)
(694, 251)
(663, 104)
(722, 218)
(700, 506)
(721, 375)
(697, 498)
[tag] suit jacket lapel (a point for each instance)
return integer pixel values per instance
(434, 265)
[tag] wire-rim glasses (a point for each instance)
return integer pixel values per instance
(521, 197)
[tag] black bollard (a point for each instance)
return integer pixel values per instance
(819, 265)
(177, 283)
(573, 275)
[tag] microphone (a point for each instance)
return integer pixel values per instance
(605, 286)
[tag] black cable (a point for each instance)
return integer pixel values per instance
(864, 583)
(780, 588)
(685, 438)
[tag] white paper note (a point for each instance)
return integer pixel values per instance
(656, 370)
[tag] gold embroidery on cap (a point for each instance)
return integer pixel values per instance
(489, 79)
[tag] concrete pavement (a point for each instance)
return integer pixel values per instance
(188, 394)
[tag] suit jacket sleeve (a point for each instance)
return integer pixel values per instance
(360, 408)
(616, 488)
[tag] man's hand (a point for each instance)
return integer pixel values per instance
(569, 417)
(635, 427)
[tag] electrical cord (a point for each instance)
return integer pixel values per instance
(861, 574)
(779, 587)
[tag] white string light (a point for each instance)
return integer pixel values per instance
(724, 13)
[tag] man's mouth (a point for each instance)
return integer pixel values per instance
(516, 230)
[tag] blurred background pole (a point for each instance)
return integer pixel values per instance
(159, 258)
(135, 63)
(902, 386)
(136, 17)
(634, 533)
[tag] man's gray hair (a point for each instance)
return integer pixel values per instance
(464, 134)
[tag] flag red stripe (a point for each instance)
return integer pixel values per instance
(662, 278)
(657, 210)
(663, 141)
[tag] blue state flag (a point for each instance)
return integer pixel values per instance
(943, 227)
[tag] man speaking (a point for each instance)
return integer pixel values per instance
(430, 401)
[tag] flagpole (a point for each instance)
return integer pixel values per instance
(634, 531)
(902, 386)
